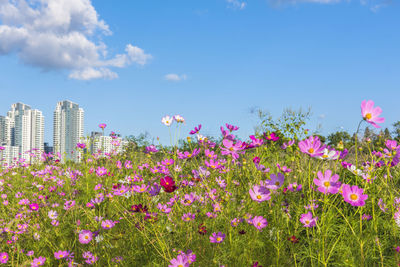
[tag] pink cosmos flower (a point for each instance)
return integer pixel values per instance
(187, 154)
(288, 144)
(283, 169)
(213, 164)
(275, 182)
(61, 254)
(307, 220)
(226, 134)
(235, 222)
(151, 148)
(256, 142)
(38, 261)
(188, 217)
(353, 195)
(85, 236)
(259, 222)
(107, 224)
(231, 149)
(370, 114)
(327, 183)
(179, 261)
(392, 144)
(164, 208)
(259, 193)
(102, 126)
(101, 171)
(217, 237)
(312, 146)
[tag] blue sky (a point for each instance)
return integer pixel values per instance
(223, 58)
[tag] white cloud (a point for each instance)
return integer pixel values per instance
(91, 73)
(236, 4)
(60, 35)
(175, 77)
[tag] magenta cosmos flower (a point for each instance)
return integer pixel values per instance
(34, 206)
(81, 145)
(196, 130)
(354, 195)
(307, 219)
(102, 125)
(85, 236)
(370, 114)
(327, 183)
(217, 237)
(259, 222)
(271, 137)
(312, 146)
(38, 261)
(259, 193)
(3, 257)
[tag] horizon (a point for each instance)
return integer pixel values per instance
(212, 62)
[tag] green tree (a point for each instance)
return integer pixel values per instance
(291, 124)
(340, 136)
(386, 134)
(396, 131)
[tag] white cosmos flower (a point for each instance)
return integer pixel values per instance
(52, 214)
(329, 154)
(200, 137)
(167, 120)
(99, 238)
(179, 118)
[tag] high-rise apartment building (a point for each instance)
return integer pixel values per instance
(68, 129)
(21, 133)
(106, 144)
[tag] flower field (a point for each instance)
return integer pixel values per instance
(268, 201)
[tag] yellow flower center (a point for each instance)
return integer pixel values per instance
(258, 197)
(327, 184)
(311, 150)
(307, 222)
(325, 156)
(353, 197)
(277, 183)
(219, 239)
(368, 116)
